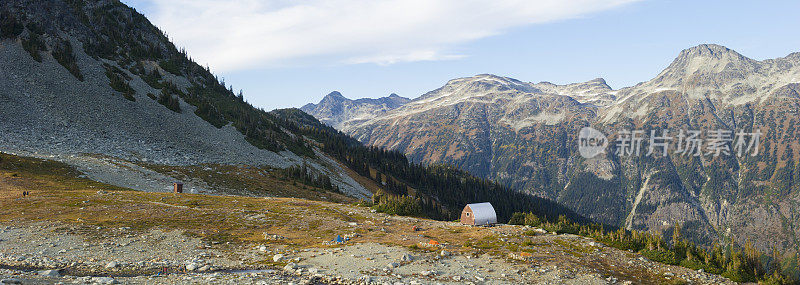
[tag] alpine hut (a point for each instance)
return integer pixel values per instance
(177, 187)
(479, 214)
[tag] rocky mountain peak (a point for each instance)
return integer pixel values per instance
(483, 78)
(338, 111)
(597, 84)
(334, 96)
(709, 50)
(705, 65)
(709, 57)
(391, 101)
(598, 81)
(481, 83)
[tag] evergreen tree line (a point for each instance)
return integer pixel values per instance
(30, 34)
(306, 176)
(118, 80)
(10, 26)
(440, 191)
(34, 44)
(62, 52)
(402, 205)
(740, 264)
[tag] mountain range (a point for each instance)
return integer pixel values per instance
(525, 135)
(95, 102)
(339, 112)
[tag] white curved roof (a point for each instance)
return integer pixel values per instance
(484, 213)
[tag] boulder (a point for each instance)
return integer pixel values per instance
(50, 273)
(191, 266)
(290, 267)
(104, 280)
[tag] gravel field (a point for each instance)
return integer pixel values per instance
(47, 253)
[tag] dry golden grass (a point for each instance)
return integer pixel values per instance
(59, 196)
(249, 180)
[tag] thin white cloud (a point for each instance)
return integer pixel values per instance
(240, 34)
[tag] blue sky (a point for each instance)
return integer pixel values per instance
(289, 53)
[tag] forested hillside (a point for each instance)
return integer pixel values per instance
(436, 191)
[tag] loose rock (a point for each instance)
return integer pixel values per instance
(50, 273)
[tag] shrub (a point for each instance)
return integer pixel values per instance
(532, 220)
(118, 82)
(400, 205)
(169, 101)
(33, 44)
(517, 219)
(10, 27)
(663, 256)
(172, 66)
(62, 52)
(696, 264)
(153, 79)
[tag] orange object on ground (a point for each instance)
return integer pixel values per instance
(433, 242)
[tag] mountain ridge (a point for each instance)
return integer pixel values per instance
(334, 107)
(523, 135)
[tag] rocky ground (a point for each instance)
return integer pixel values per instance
(47, 253)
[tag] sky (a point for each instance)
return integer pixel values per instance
(286, 53)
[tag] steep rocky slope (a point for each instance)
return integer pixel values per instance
(525, 135)
(94, 84)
